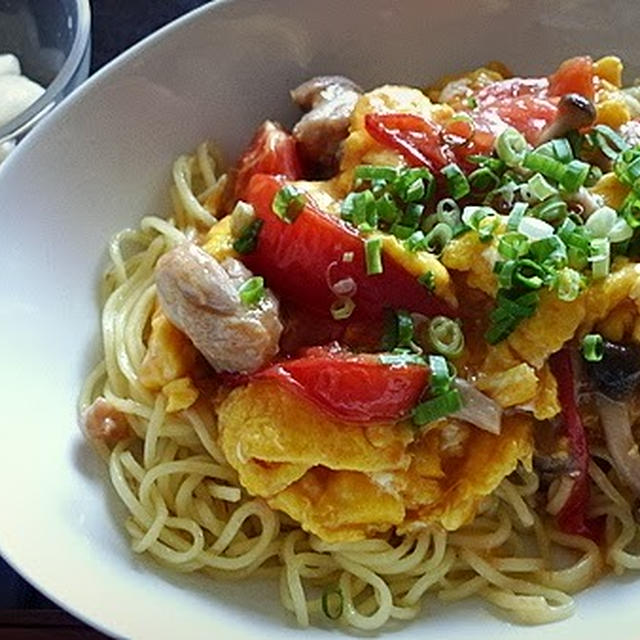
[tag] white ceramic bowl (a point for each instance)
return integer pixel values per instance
(102, 161)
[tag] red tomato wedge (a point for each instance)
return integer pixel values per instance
(272, 150)
(521, 103)
(301, 260)
(352, 387)
(417, 139)
(572, 518)
(573, 76)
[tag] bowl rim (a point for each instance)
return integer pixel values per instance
(27, 118)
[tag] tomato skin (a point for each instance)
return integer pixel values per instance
(417, 138)
(352, 387)
(573, 76)
(521, 103)
(572, 518)
(300, 261)
(273, 151)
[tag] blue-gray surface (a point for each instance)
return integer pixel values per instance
(116, 26)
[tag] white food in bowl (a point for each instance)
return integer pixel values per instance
(17, 93)
(214, 75)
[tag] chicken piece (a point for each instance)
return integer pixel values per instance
(329, 101)
(201, 297)
(102, 421)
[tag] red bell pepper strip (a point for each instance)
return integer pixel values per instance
(301, 260)
(575, 75)
(572, 518)
(272, 150)
(352, 387)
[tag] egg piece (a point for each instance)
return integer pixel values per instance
(170, 354)
(544, 333)
(361, 148)
(339, 506)
(611, 190)
(266, 423)
(218, 242)
(470, 473)
(546, 404)
(516, 385)
(180, 393)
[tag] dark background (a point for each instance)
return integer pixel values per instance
(116, 25)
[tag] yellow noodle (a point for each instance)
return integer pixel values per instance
(186, 509)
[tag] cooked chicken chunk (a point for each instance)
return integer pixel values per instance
(201, 297)
(329, 101)
(102, 421)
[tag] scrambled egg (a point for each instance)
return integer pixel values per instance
(345, 481)
(170, 354)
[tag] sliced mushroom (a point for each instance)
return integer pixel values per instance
(329, 101)
(617, 374)
(201, 297)
(574, 112)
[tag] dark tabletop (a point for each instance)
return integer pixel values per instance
(116, 25)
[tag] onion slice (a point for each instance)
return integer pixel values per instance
(614, 417)
(477, 408)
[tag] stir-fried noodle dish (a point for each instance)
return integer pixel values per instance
(392, 354)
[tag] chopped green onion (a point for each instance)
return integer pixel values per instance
(401, 358)
(332, 602)
(592, 347)
(608, 141)
(387, 209)
(471, 102)
(358, 207)
(517, 212)
(448, 211)
(446, 336)
(404, 324)
(627, 167)
(631, 210)
(483, 179)
(342, 308)
(559, 149)
(438, 238)
(551, 210)
(529, 274)
(248, 238)
(601, 221)
(548, 167)
(620, 231)
(372, 173)
(288, 203)
(401, 231)
(457, 182)
(438, 407)
(252, 291)
(511, 147)
(373, 255)
(415, 242)
(568, 284)
(535, 229)
(550, 251)
(473, 215)
(441, 377)
(428, 280)
(574, 176)
(539, 188)
(414, 184)
(599, 258)
(412, 214)
(494, 164)
(513, 245)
